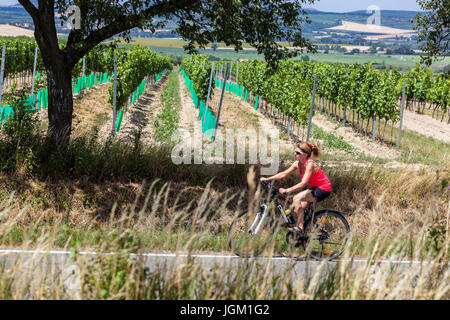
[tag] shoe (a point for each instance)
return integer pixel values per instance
(297, 230)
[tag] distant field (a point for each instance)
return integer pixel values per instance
(13, 31)
(179, 43)
(174, 47)
(370, 28)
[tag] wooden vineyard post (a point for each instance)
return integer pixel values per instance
(114, 95)
(237, 72)
(311, 108)
(221, 100)
(2, 73)
(401, 115)
(289, 126)
(34, 70)
(374, 125)
(273, 115)
(209, 90)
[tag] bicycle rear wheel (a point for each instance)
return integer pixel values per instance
(249, 234)
(327, 235)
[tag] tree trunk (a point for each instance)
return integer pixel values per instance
(448, 111)
(367, 126)
(434, 110)
(353, 118)
(345, 115)
(60, 105)
(358, 121)
(392, 132)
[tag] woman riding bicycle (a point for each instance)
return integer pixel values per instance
(310, 172)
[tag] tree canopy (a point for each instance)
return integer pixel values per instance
(259, 23)
(434, 28)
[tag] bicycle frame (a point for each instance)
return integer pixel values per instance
(262, 213)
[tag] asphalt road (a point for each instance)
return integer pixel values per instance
(60, 264)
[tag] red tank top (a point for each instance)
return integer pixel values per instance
(317, 179)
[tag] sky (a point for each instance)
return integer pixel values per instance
(353, 5)
(7, 2)
(338, 5)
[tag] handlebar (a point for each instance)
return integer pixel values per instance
(275, 190)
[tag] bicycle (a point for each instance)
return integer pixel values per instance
(326, 231)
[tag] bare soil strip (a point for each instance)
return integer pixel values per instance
(426, 126)
(188, 114)
(238, 114)
(92, 110)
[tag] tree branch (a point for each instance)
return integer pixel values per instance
(121, 24)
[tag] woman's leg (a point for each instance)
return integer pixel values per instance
(301, 202)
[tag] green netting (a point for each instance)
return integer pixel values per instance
(119, 120)
(208, 120)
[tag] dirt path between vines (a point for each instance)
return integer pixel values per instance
(426, 126)
(188, 114)
(364, 144)
(90, 110)
(238, 114)
(138, 118)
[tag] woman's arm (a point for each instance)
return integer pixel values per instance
(304, 182)
(283, 174)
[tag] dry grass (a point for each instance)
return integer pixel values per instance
(378, 202)
(234, 113)
(91, 110)
(122, 276)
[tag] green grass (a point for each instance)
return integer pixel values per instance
(330, 141)
(417, 148)
(166, 122)
(100, 119)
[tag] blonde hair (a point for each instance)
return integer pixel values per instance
(310, 148)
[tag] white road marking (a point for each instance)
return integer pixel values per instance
(174, 255)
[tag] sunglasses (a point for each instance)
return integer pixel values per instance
(299, 153)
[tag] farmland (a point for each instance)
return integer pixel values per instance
(174, 48)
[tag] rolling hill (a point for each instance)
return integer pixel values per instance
(16, 15)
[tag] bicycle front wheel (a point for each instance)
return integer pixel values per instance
(327, 235)
(249, 234)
